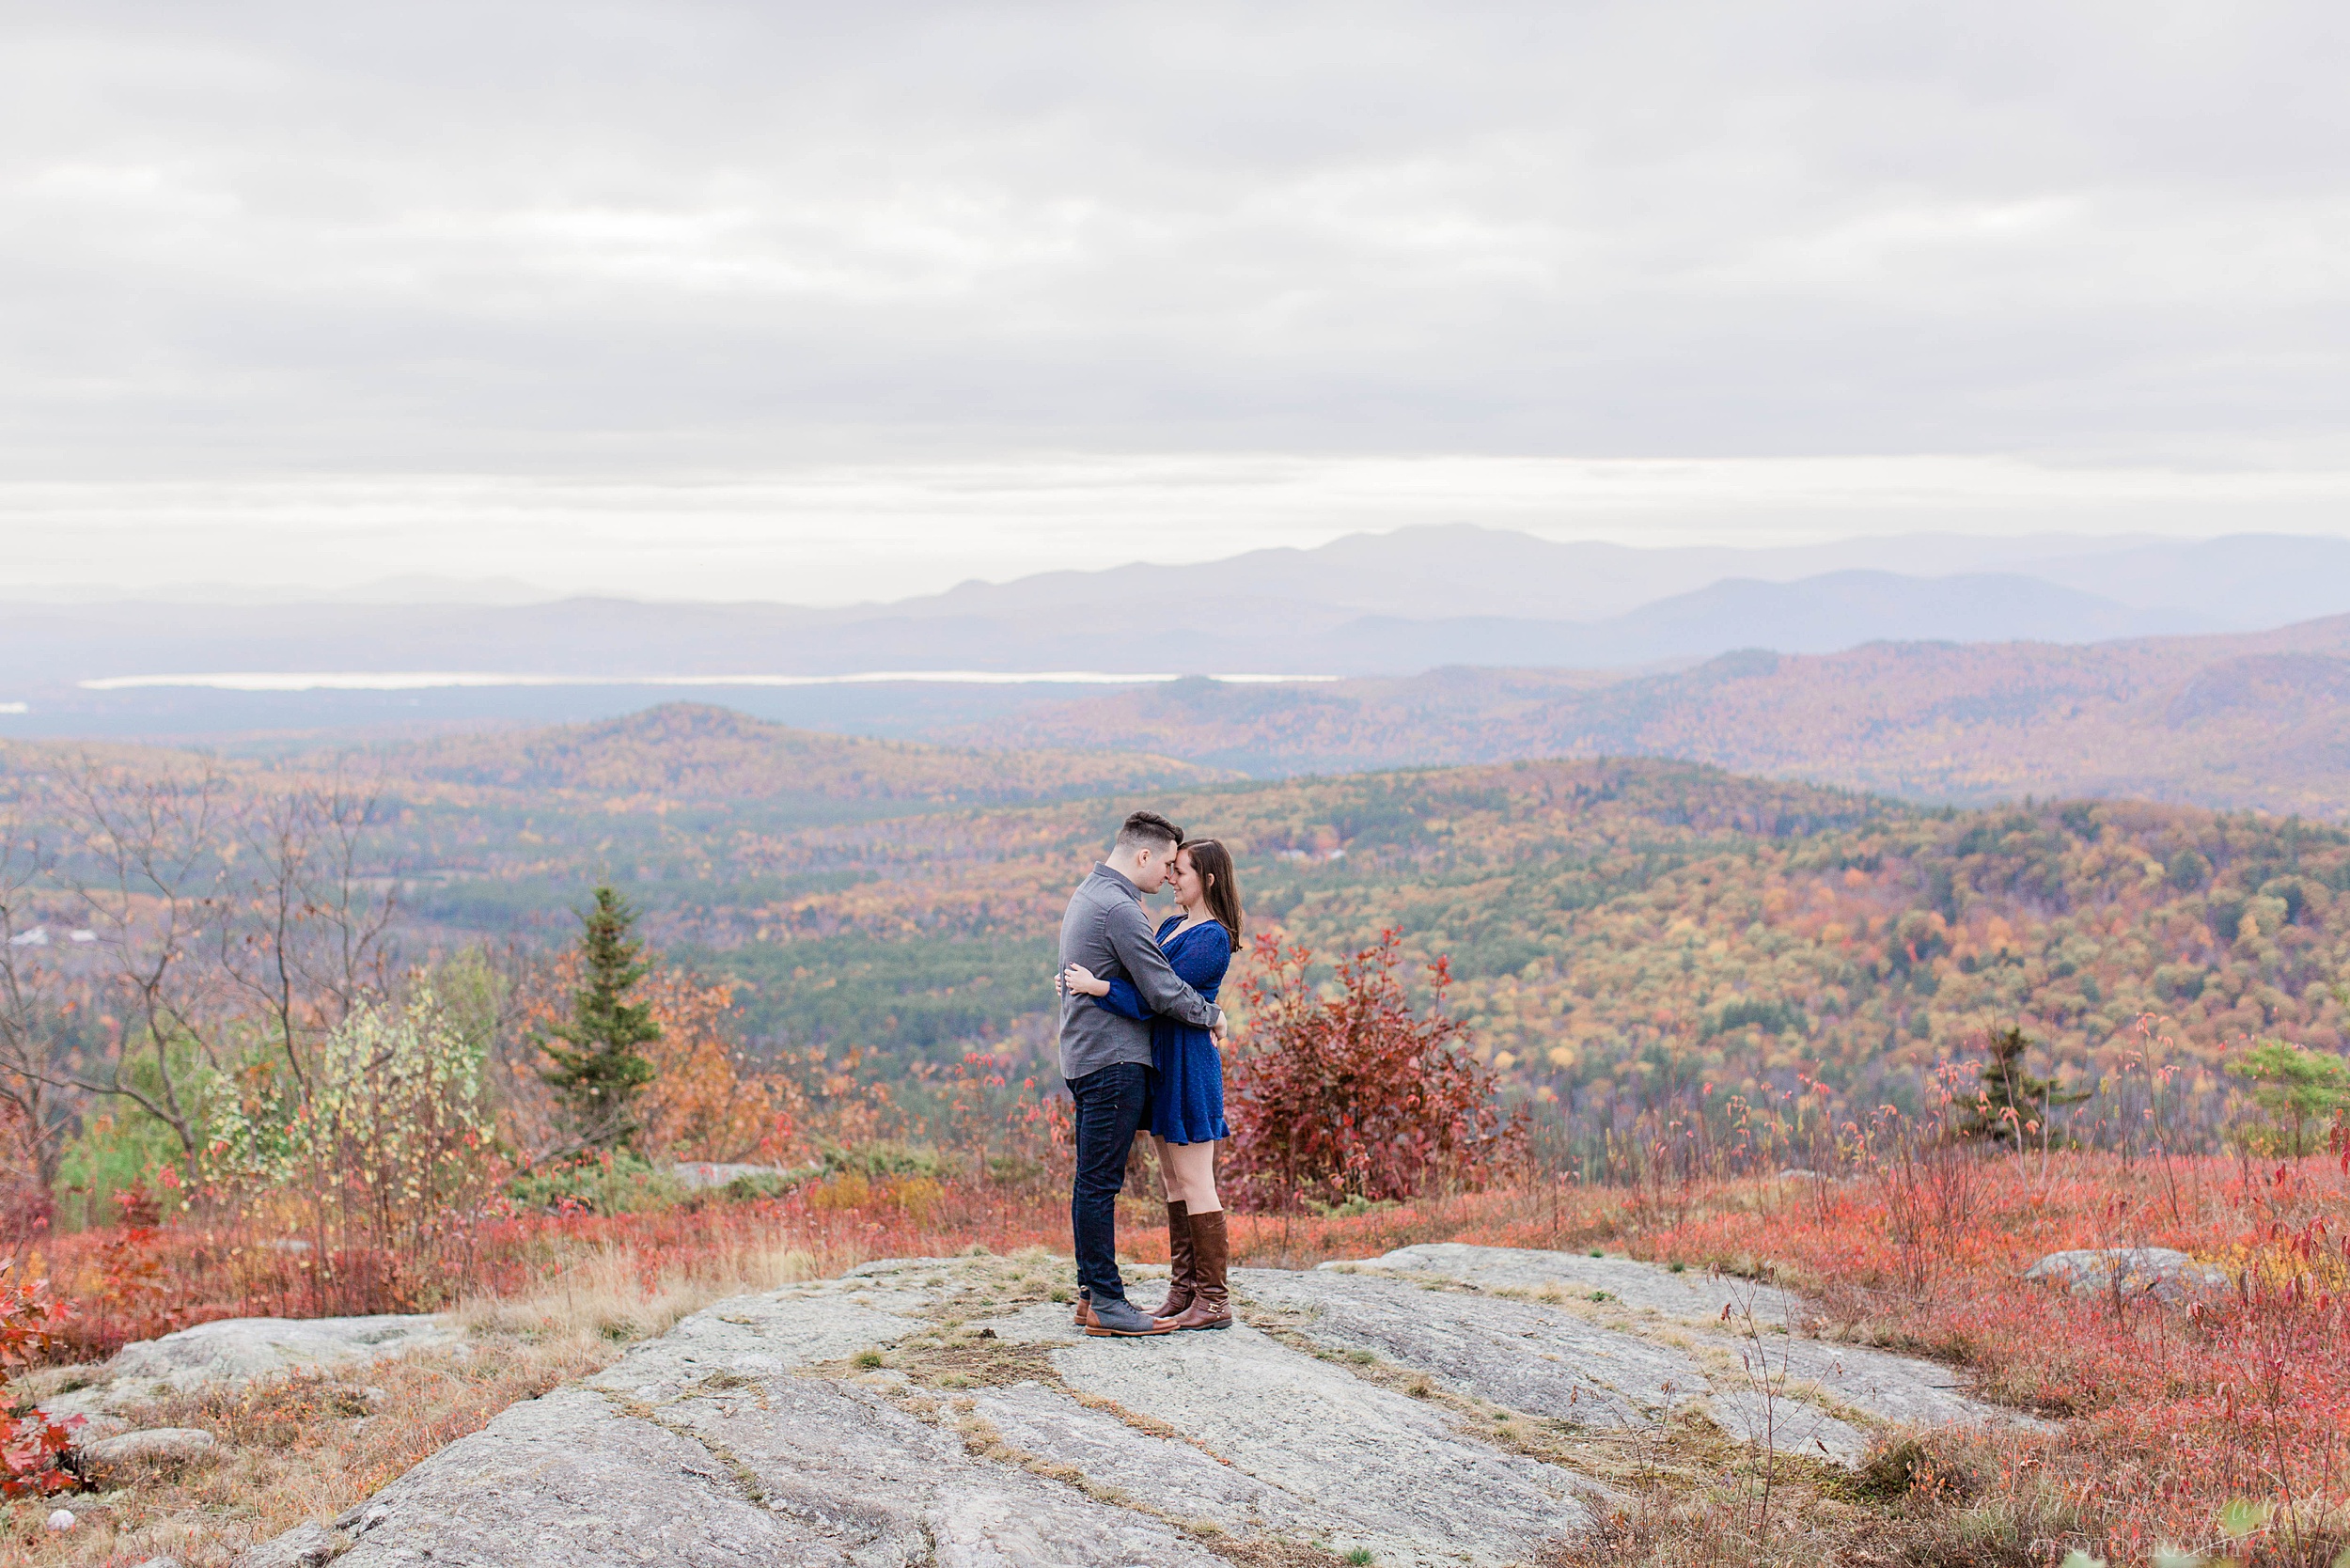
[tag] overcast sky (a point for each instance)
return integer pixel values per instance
(826, 302)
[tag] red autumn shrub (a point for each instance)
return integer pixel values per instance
(31, 1445)
(133, 1282)
(1356, 1095)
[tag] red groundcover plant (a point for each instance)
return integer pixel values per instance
(31, 1445)
(1356, 1095)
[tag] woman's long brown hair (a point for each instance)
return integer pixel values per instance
(1215, 865)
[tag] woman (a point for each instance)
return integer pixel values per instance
(1187, 1091)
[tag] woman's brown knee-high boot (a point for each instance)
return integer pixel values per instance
(1212, 1301)
(1180, 1267)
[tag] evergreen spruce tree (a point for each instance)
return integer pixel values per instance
(2007, 1086)
(594, 1065)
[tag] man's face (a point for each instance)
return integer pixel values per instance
(1150, 866)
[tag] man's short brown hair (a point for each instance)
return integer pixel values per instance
(1149, 827)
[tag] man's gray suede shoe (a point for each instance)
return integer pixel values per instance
(1123, 1319)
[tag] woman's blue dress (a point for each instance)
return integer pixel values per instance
(1187, 1096)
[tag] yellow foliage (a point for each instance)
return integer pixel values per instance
(845, 1189)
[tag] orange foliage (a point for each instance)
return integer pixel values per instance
(702, 1102)
(701, 1105)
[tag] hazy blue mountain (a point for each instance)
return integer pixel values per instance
(2248, 581)
(1843, 609)
(1439, 571)
(1368, 604)
(2244, 582)
(1815, 615)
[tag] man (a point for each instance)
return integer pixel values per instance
(1107, 1058)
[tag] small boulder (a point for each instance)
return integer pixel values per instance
(694, 1175)
(234, 1351)
(2142, 1272)
(157, 1445)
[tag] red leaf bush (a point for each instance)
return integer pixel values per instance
(31, 1445)
(1358, 1095)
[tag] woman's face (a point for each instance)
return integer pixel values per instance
(1185, 879)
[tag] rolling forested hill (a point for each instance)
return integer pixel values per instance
(2260, 720)
(660, 797)
(683, 753)
(665, 758)
(1623, 931)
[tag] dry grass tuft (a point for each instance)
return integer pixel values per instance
(1910, 1505)
(292, 1449)
(615, 1297)
(309, 1446)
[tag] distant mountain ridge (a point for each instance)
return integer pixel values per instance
(1364, 605)
(2259, 719)
(1812, 615)
(1387, 605)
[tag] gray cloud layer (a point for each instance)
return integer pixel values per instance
(644, 238)
(458, 236)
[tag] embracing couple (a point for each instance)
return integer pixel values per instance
(1138, 1030)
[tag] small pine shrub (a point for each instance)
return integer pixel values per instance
(2012, 1106)
(596, 1063)
(2299, 1092)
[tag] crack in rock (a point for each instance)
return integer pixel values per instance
(1335, 1445)
(1829, 1396)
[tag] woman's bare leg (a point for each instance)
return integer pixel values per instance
(1211, 1247)
(1193, 1167)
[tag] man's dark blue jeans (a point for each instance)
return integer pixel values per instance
(1112, 1103)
